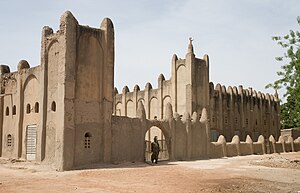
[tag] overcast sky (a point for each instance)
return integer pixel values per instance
(236, 34)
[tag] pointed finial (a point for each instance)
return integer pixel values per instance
(191, 48)
(204, 117)
(140, 112)
(168, 111)
(276, 95)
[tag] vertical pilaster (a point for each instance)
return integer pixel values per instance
(148, 88)
(160, 96)
(65, 131)
(174, 82)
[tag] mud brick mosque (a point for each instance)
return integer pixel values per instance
(66, 112)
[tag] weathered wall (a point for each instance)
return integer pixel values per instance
(185, 138)
(53, 64)
(69, 96)
(21, 107)
(128, 139)
(9, 121)
(221, 148)
(31, 109)
(232, 111)
(238, 111)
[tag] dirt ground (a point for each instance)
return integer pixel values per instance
(255, 173)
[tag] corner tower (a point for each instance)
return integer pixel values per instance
(79, 78)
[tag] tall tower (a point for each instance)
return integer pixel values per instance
(79, 78)
(190, 81)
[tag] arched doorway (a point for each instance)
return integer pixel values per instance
(149, 136)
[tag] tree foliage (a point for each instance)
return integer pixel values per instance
(289, 78)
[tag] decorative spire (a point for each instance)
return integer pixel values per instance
(190, 47)
(276, 95)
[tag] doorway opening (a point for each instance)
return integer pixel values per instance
(31, 142)
(149, 138)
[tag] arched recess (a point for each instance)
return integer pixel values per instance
(28, 96)
(130, 111)
(153, 108)
(90, 63)
(163, 141)
(166, 100)
(118, 109)
(181, 89)
(53, 65)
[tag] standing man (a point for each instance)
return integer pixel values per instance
(155, 150)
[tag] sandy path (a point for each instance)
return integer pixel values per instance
(237, 174)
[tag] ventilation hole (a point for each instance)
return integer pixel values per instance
(87, 140)
(9, 141)
(7, 111)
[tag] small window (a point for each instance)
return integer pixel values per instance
(9, 141)
(7, 111)
(247, 121)
(14, 110)
(87, 140)
(53, 106)
(225, 120)
(155, 117)
(36, 107)
(28, 109)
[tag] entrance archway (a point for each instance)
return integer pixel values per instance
(149, 136)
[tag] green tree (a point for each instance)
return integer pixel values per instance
(289, 78)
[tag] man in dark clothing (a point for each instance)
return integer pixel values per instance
(155, 150)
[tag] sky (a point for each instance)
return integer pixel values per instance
(236, 34)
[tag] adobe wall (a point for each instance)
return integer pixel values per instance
(20, 107)
(155, 100)
(185, 137)
(238, 111)
(232, 111)
(68, 97)
(87, 76)
(222, 148)
(187, 90)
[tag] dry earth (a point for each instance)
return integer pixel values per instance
(255, 173)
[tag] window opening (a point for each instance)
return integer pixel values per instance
(53, 106)
(28, 109)
(7, 111)
(36, 107)
(14, 110)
